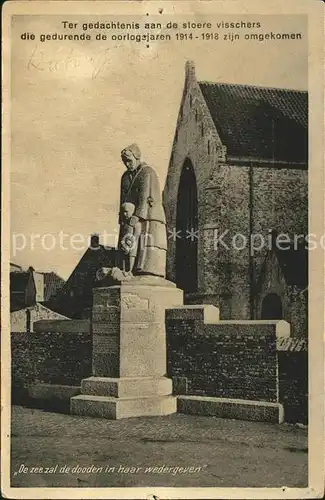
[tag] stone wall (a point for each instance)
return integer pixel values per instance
(238, 360)
(241, 360)
(49, 358)
(23, 366)
(293, 379)
(224, 359)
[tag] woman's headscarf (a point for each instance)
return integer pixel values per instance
(134, 149)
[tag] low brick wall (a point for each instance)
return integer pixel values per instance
(238, 360)
(58, 358)
(224, 359)
(293, 379)
(205, 357)
(22, 366)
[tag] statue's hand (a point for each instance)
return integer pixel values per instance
(127, 275)
(118, 274)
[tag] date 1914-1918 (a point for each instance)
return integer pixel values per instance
(208, 36)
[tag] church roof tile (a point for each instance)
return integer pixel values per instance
(261, 122)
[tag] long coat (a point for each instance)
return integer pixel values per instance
(142, 189)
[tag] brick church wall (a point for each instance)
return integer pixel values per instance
(298, 312)
(280, 202)
(235, 201)
(226, 270)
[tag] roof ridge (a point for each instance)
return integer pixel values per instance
(206, 82)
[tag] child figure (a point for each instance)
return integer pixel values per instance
(129, 236)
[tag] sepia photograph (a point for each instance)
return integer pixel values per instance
(163, 250)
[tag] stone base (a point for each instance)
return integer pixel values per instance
(127, 387)
(116, 398)
(129, 351)
(116, 408)
(238, 409)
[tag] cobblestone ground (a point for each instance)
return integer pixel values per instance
(225, 453)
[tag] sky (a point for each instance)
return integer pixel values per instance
(76, 104)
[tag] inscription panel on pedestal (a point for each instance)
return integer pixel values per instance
(104, 328)
(105, 344)
(134, 301)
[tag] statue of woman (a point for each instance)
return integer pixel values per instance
(140, 186)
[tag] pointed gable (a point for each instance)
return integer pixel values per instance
(292, 262)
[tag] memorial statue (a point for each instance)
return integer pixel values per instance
(142, 244)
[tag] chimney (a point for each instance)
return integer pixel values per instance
(94, 241)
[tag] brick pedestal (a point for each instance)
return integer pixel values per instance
(129, 351)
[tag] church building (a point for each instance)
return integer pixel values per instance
(236, 200)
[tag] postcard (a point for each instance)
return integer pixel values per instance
(162, 302)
